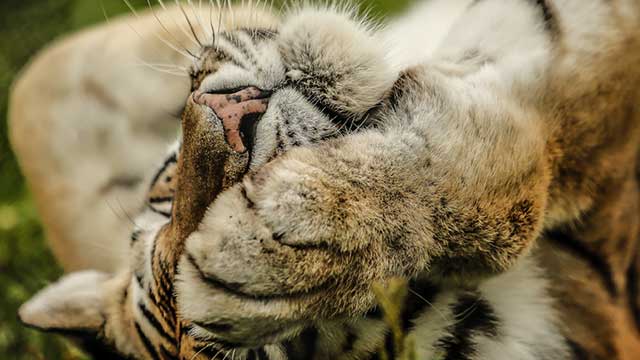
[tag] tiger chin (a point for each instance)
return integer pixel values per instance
(317, 159)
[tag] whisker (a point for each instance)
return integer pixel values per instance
(126, 213)
(201, 350)
(220, 12)
(165, 28)
(465, 313)
(196, 13)
(264, 7)
(186, 17)
(107, 248)
(213, 31)
(179, 24)
(233, 15)
(431, 305)
(104, 12)
(167, 66)
(176, 72)
(170, 45)
(131, 8)
(162, 5)
(226, 354)
(216, 354)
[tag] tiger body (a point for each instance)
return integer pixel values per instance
(484, 150)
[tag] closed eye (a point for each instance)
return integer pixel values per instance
(230, 90)
(336, 116)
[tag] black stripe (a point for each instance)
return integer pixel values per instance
(166, 355)
(546, 10)
(262, 354)
(389, 345)
(565, 239)
(550, 21)
(243, 192)
(160, 199)
(163, 300)
(230, 57)
(135, 235)
(632, 290)
(421, 295)
(350, 341)
(240, 45)
(251, 355)
(309, 341)
(156, 324)
(172, 159)
(147, 343)
(139, 280)
(163, 213)
(473, 315)
(579, 353)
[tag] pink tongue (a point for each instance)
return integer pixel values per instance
(232, 109)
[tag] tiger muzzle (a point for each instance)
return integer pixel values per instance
(214, 156)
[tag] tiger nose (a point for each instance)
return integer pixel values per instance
(233, 110)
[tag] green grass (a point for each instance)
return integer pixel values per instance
(26, 264)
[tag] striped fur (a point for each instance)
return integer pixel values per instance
(484, 149)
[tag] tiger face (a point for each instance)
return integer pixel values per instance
(207, 276)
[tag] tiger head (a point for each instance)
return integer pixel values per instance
(258, 89)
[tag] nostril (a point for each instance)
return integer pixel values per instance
(263, 94)
(238, 111)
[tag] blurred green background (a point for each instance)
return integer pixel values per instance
(26, 264)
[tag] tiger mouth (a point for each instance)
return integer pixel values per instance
(239, 113)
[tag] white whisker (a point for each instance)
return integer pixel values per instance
(165, 28)
(220, 12)
(170, 45)
(179, 24)
(197, 13)
(233, 15)
(216, 354)
(213, 31)
(186, 17)
(131, 8)
(155, 66)
(201, 350)
(226, 354)
(104, 12)
(429, 303)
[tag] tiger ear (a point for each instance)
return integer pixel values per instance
(74, 304)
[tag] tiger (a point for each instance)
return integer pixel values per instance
(484, 150)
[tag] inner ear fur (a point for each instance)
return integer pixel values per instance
(74, 305)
